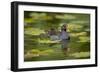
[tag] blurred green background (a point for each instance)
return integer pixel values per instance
(39, 47)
